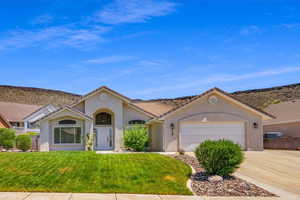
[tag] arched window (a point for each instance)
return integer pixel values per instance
(103, 118)
(67, 122)
(137, 121)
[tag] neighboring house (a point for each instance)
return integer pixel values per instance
(3, 122)
(287, 119)
(211, 115)
(15, 112)
(29, 126)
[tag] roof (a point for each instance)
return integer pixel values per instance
(62, 109)
(155, 107)
(4, 123)
(40, 109)
(285, 112)
(249, 107)
(14, 112)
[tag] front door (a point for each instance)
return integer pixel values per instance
(104, 131)
(104, 138)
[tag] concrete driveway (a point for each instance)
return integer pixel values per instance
(278, 169)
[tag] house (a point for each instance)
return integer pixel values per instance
(104, 112)
(287, 119)
(29, 126)
(3, 122)
(14, 113)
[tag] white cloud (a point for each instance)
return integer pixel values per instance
(53, 37)
(110, 59)
(218, 78)
(253, 29)
(43, 19)
(290, 25)
(132, 11)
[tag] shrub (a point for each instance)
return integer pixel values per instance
(136, 138)
(7, 138)
(23, 142)
(221, 157)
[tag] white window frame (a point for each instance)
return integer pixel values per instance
(67, 126)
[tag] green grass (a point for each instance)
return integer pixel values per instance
(94, 173)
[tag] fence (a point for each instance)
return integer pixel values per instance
(287, 143)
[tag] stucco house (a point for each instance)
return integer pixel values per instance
(104, 112)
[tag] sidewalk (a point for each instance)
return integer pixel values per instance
(80, 196)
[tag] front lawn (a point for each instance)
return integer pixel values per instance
(94, 173)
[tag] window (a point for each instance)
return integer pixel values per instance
(138, 121)
(67, 135)
(103, 118)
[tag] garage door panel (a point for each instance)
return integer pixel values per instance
(192, 134)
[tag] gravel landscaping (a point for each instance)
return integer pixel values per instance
(230, 186)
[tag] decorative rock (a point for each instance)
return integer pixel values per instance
(246, 186)
(214, 179)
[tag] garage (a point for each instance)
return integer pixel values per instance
(194, 133)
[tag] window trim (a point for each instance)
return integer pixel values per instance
(67, 126)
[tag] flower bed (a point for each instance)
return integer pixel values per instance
(230, 186)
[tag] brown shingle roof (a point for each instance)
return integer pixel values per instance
(15, 111)
(155, 107)
(4, 123)
(284, 112)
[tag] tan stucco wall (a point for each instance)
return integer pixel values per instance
(224, 110)
(156, 135)
(95, 103)
(288, 129)
(46, 134)
(132, 114)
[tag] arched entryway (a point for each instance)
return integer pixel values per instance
(103, 121)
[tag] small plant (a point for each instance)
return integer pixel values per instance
(220, 157)
(23, 142)
(7, 138)
(89, 145)
(136, 138)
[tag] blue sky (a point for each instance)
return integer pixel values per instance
(150, 48)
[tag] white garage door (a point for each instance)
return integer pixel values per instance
(194, 133)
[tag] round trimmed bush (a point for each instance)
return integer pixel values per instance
(220, 157)
(7, 138)
(23, 142)
(136, 138)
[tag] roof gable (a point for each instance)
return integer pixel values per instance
(67, 108)
(114, 94)
(264, 115)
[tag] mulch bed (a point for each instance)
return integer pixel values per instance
(230, 186)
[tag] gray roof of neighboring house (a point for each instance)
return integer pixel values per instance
(14, 112)
(285, 112)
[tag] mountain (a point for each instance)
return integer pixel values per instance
(259, 98)
(36, 96)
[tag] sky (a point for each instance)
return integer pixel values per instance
(150, 49)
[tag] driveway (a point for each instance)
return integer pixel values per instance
(278, 169)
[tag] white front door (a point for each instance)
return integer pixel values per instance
(104, 139)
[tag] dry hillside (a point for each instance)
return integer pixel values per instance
(36, 96)
(259, 98)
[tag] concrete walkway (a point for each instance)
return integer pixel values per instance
(69, 196)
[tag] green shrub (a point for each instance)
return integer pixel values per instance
(23, 142)
(7, 138)
(136, 138)
(221, 157)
